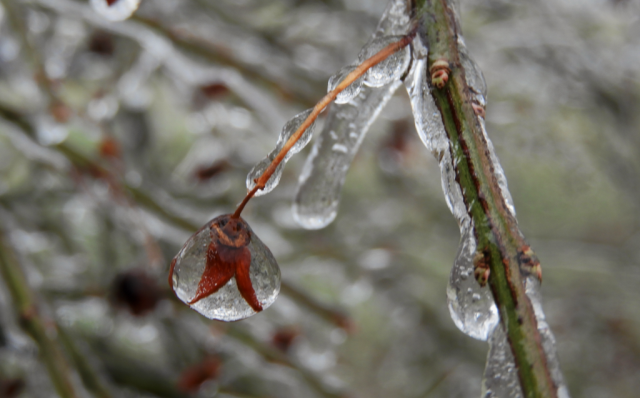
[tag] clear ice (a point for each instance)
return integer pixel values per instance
(471, 306)
(500, 375)
(351, 91)
(324, 173)
(227, 304)
(287, 131)
(117, 11)
(390, 69)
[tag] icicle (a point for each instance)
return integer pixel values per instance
(500, 373)
(471, 306)
(351, 91)
(324, 173)
(287, 131)
(115, 10)
(321, 180)
(210, 271)
(391, 68)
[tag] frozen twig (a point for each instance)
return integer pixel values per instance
(506, 259)
(323, 103)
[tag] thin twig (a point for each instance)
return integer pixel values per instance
(323, 103)
(25, 307)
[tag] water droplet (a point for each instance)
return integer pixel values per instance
(115, 10)
(351, 91)
(287, 131)
(391, 68)
(210, 271)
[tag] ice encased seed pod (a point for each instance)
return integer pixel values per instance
(115, 10)
(287, 131)
(351, 90)
(227, 302)
(391, 68)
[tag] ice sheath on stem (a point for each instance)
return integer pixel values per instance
(325, 170)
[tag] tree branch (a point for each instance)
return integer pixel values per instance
(498, 238)
(25, 307)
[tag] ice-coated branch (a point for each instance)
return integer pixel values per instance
(290, 138)
(25, 308)
(502, 258)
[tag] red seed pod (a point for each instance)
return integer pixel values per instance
(225, 272)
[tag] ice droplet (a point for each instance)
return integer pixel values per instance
(324, 173)
(115, 10)
(287, 131)
(391, 68)
(227, 303)
(472, 307)
(351, 91)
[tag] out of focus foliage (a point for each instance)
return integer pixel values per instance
(117, 140)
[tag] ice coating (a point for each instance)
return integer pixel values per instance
(227, 304)
(473, 74)
(324, 173)
(500, 378)
(472, 307)
(532, 290)
(390, 69)
(115, 10)
(287, 131)
(500, 375)
(351, 91)
(322, 178)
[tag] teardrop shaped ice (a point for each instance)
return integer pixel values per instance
(391, 68)
(500, 373)
(210, 273)
(115, 10)
(351, 91)
(324, 173)
(287, 131)
(471, 306)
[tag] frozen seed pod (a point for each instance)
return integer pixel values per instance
(115, 10)
(225, 272)
(287, 131)
(391, 68)
(351, 91)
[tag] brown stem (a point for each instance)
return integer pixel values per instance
(323, 103)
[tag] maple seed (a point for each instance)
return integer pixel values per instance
(228, 255)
